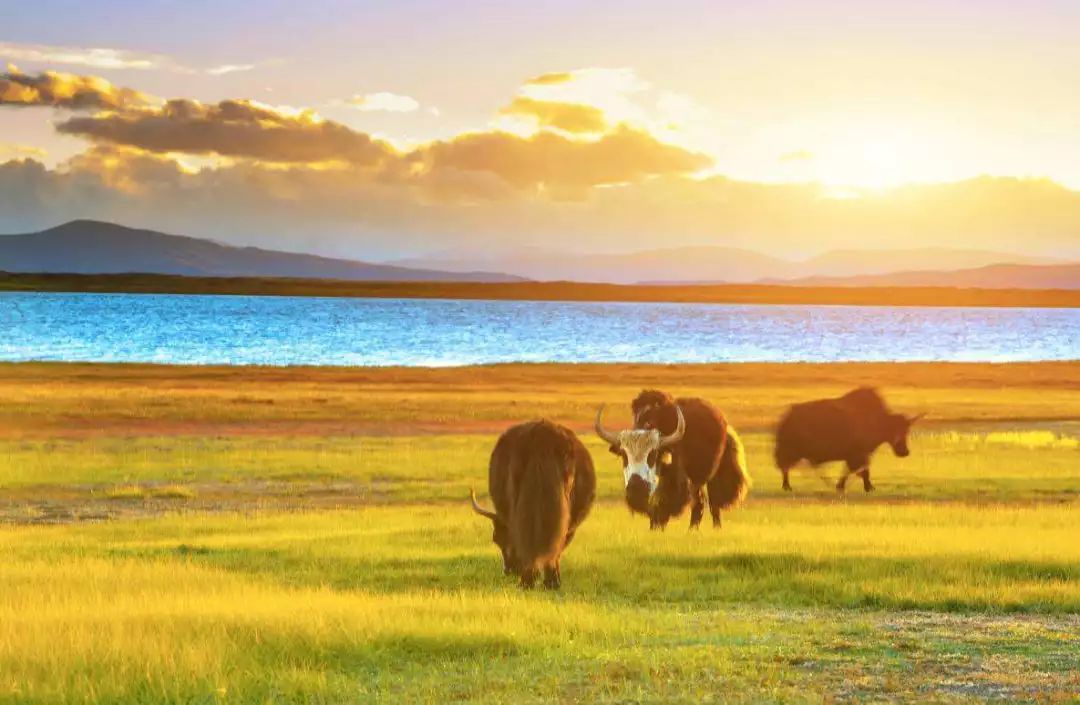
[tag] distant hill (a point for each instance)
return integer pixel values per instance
(94, 247)
(996, 276)
(729, 264)
(707, 264)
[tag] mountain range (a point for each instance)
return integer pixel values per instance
(712, 265)
(95, 247)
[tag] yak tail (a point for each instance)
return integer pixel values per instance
(732, 481)
(541, 518)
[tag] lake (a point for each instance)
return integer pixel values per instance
(271, 330)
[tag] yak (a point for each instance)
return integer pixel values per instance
(847, 428)
(692, 449)
(542, 482)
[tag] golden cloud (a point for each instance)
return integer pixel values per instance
(21, 151)
(63, 90)
(549, 79)
(232, 128)
(569, 117)
(563, 166)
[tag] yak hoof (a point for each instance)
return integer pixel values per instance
(869, 488)
(786, 487)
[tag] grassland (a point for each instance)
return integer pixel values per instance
(542, 291)
(242, 535)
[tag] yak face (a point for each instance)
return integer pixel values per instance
(500, 536)
(643, 452)
(640, 451)
(897, 428)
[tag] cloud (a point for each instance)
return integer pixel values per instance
(21, 151)
(569, 117)
(799, 155)
(383, 101)
(63, 90)
(94, 57)
(232, 128)
(547, 79)
(560, 165)
(229, 68)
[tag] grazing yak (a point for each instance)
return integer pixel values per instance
(542, 483)
(678, 450)
(848, 428)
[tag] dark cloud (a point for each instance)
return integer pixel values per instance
(62, 90)
(232, 128)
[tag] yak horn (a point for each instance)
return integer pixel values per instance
(607, 435)
(916, 417)
(680, 429)
(480, 510)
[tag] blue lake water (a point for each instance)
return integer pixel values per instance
(242, 330)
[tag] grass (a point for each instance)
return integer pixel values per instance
(407, 603)
(211, 535)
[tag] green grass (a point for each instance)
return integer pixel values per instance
(264, 536)
(789, 603)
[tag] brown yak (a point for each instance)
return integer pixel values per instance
(704, 454)
(847, 428)
(542, 483)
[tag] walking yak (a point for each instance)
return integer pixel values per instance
(848, 428)
(542, 482)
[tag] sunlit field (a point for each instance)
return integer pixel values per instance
(212, 535)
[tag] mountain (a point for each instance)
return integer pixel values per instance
(996, 276)
(94, 247)
(841, 263)
(729, 264)
(708, 264)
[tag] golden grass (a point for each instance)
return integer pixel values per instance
(65, 400)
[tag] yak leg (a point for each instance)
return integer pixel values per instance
(528, 578)
(552, 576)
(853, 467)
(714, 503)
(866, 484)
(787, 484)
(698, 509)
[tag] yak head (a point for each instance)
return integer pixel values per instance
(897, 427)
(500, 536)
(641, 452)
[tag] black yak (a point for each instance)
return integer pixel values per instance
(848, 428)
(542, 483)
(703, 453)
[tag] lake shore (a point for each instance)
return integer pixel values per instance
(543, 291)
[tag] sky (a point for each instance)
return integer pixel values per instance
(386, 129)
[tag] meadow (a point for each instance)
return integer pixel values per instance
(241, 535)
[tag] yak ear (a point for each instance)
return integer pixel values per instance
(614, 449)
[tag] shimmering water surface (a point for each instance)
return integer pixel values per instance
(272, 330)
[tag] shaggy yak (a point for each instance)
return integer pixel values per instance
(542, 482)
(847, 428)
(678, 450)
